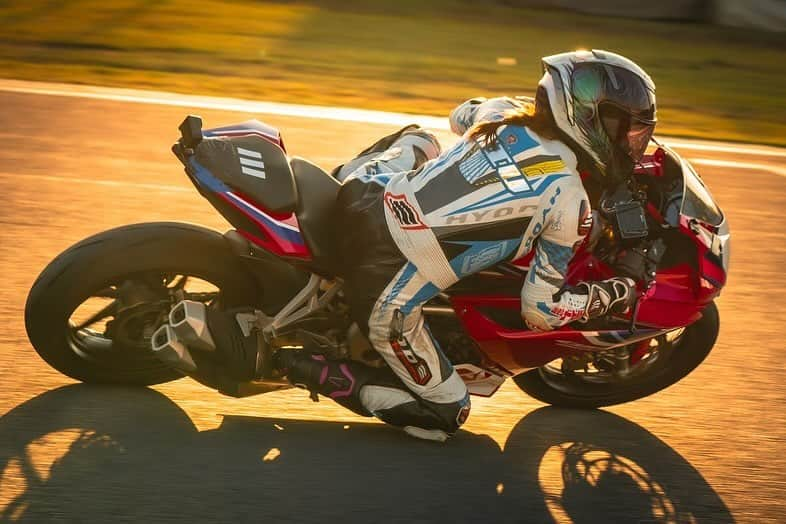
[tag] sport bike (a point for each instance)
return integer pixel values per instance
(125, 305)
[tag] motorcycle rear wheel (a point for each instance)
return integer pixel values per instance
(571, 391)
(152, 258)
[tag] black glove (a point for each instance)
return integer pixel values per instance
(614, 295)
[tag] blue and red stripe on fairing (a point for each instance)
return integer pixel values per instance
(283, 235)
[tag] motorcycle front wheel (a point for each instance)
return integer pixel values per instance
(671, 358)
(92, 311)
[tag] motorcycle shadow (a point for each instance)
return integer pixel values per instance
(82, 453)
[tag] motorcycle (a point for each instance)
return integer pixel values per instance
(124, 306)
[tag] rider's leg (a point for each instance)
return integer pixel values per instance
(379, 281)
(404, 150)
(385, 294)
(425, 396)
(436, 402)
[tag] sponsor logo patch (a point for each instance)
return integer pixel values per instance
(415, 366)
(484, 258)
(488, 215)
(513, 178)
(544, 168)
(585, 219)
(565, 314)
(405, 213)
(556, 222)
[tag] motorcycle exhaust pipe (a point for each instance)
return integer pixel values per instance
(171, 351)
(189, 320)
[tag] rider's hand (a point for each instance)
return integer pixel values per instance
(615, 295)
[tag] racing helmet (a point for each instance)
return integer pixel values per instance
(605, 104)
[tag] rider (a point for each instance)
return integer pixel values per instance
(415, 220)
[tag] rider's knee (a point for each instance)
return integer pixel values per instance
(449, 401)
(399, 407)
(428, 416)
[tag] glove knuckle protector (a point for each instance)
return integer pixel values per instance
(614, 295)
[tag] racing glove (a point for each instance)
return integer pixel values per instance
(615, 295)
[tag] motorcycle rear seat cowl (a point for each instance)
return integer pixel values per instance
(272, 184)
(289, 186)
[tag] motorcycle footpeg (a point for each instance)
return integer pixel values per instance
(189, 320)
(170, 350)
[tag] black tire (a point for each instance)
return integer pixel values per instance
(95, 262)
(693, 347)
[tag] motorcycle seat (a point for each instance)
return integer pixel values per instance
(317, 192)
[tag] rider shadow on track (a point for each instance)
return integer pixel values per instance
(94, 454)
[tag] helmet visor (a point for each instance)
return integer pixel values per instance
(630, 133)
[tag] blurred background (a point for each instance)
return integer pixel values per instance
(717, 63)
(76, 160)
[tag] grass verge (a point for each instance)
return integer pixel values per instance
(398, 55)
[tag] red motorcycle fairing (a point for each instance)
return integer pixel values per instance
(675, 301)
(517, 350)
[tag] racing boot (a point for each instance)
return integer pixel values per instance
(341, 380)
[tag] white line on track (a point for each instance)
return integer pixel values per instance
(223, 104)
(108, 183)
(305, 111)
(777, 170)
(340, 114)
(723, 147)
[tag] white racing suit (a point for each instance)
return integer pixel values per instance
(416, 221)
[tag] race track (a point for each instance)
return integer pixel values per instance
(710, 449)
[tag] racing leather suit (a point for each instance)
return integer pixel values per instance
(415, 221)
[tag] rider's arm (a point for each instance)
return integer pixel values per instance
(479, 109)
(546, 303)
(557, 228)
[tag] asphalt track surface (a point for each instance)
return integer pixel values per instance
(709, 449)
